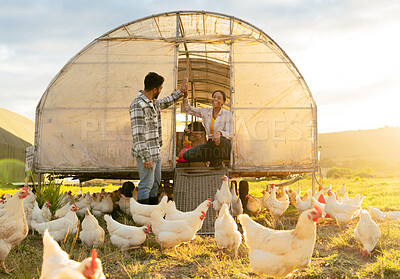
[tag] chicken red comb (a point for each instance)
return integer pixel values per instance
(209, 199)
(318, 209)
(224, 177)
(247, 196)
(24, 188)
(263, 191)
(95, 265)
(272, 185)
(203, 213)
(148, 226)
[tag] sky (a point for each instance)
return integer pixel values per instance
(347, 51)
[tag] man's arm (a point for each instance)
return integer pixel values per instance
(138, 125)
(175, 96)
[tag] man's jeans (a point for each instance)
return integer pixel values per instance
(150, 179)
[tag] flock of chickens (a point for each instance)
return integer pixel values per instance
(275, 253)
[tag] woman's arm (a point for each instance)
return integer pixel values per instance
(191, 110)
(227, 131)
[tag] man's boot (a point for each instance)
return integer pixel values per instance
(153, 200)
(243, 192)
(144, 201)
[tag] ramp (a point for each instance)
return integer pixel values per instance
(193, 186)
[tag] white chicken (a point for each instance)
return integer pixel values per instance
(83, 204)
(226, 231)
(342, 190)
(303, 205)
(102, 206)
(276, 207)
(61, 227)
(162, 194)
(124, 236)
(141, 213)
(367, 233)
(124, 204)
(29, 203)
(279, 253)
(13, 227)
(393, 215)
(57, 264)
(356, 200)
(264, 198)
(171, 213)
(292, 196)
(376, 214)
(95, 200)
(41, 215)
(171, 233)
(254, 204)
(65, 198)
(223, 195)
(320, 204)
(236, 203)
(30, 199)
(61, 212)
(91, 234)
(340, 212)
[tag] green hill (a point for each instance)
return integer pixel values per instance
(377, 149)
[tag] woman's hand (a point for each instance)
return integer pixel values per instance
(217, 138)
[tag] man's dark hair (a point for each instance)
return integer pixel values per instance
(153, 80)
(222, 93)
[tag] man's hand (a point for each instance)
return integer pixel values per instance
(217, 138)
(184, 87)
(148, 165)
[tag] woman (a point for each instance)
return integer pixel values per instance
(218, 123)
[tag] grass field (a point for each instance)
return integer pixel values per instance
(336, 253)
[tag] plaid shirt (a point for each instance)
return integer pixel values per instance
(146, 125)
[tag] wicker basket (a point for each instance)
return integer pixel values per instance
(192, 187)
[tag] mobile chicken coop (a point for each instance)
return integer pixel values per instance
(82, 120)
(83, 124)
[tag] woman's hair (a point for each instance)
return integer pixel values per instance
(222, 93)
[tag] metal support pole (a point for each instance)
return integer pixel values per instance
(313, 183)
(39, 183)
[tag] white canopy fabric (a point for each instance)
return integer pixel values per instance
(83, 120)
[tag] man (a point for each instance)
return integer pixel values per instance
(146, 133)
